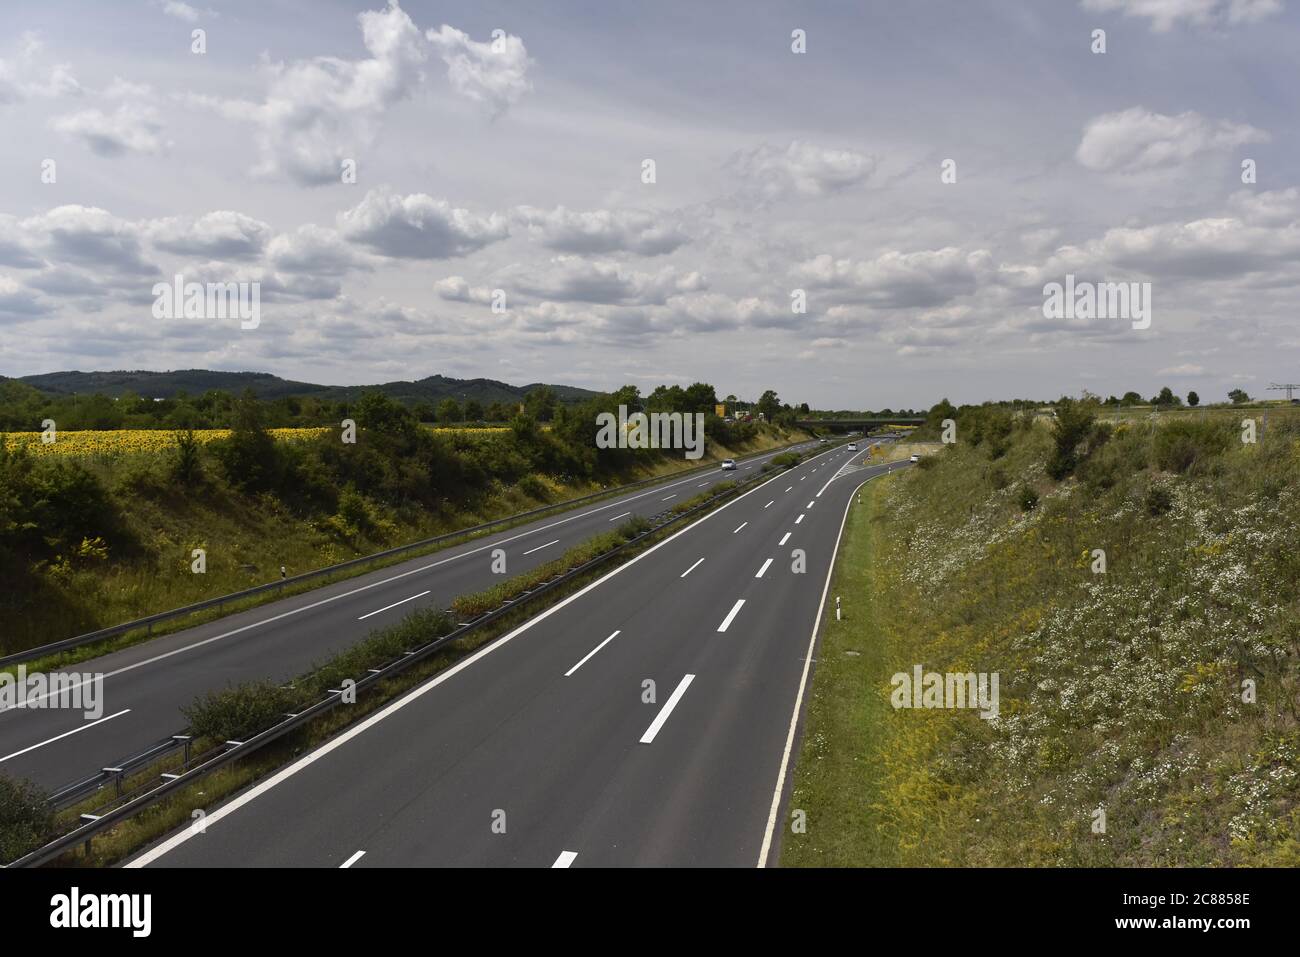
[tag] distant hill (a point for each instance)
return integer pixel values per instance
(164, 385)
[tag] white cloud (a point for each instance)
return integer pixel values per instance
(87, 235)
(601, 231)
(312, 249)
(925, 278)
(181, 11)
(493, 74)
(223, 234)
(801, 169)
(1137, 139)
(418, 226)
(28, 76)
(321, 111)
(1165, 14)
(458, 289)
(132, 126)
(573, 279)
(1187, 369)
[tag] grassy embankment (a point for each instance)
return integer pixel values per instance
(1120, 690)
(248, 537)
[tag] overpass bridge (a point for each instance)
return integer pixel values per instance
(864, 423)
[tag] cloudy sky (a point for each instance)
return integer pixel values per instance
(501, 146)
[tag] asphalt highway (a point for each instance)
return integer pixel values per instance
(547, 748)
(145, 686)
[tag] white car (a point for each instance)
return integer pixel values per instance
(916, 458)
(853, 446)
(728, 465)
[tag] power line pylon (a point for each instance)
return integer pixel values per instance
(1289, 386)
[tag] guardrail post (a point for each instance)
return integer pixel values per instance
(186, 738)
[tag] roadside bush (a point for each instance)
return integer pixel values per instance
(380, 647)
(534, 487)
(1122, 457)
(1157, 500)
(1027, 498)
(927, 462)
(240, 711)
(1182, 445)
(634, 526)
(786, 460)
(26, 820)
(187, 462)
(1075, 425)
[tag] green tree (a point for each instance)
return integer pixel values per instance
(768, 404)
(1166, 398)
(541, 403)
(1193, 399)
(449, 412)
(1074, 425)
(187, 462)
(1238, 396)
(473, 411)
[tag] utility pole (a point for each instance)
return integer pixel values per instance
(1290, 387)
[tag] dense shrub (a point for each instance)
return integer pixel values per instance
(1074, 433)
(26, 819)
(240, 711)
(1183, 444)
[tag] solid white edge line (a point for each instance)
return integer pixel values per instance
(186, 832)
(735, 610)
(691, 569)
(393, 605)
(540, 547)
(64, 735)
(666, 710)
(565, 859)
(803, 684)
(352, 860)
(589, 654)
(765, 567)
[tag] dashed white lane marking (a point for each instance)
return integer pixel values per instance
(790, 489)
(64, 735)
(799, 519)
(769, 504)
(740, 526)
(811, 504)
(393, 605)
(667, 497)
(691, 569)
(565, 859)
(540, 547)
(671, 703)
(803, 478)
(352, 860)
(784, 538)
(735, 609)
(765, 567)
(617, 517)
(592, 652)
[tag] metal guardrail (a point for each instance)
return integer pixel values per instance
(224, 754)
(149, 621)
